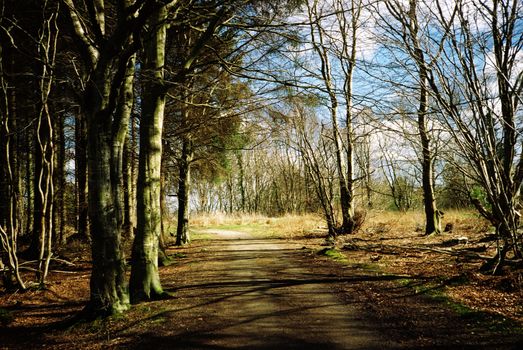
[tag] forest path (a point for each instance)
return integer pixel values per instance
(240, 292)
(235, 291)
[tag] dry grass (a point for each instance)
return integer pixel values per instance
(463, 221)
(376, 221)
(224, 219)
(287, 226)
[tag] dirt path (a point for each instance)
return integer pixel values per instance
(238, 292)
(258, 294)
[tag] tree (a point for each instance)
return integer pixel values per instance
(44, 157)
(408, 34)
(319, 39)
(363, 146)
(348, 15)
(184, 181)
(27, 89)
(399, 182)
(477, 81)
(316, 152)
(145, 280)
(343, 49)
(9, 195)
(82, 205)
(206, 99)
(106, 68)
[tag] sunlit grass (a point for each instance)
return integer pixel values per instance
(334, 254)
(397, 221)
(287, 226)
(292, 226)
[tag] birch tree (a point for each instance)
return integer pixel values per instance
(9, 195)
(35, 40)
(44, 159)
(319, 39)
(402, 23)
(477, 80)
(317, 155)
(334, 33)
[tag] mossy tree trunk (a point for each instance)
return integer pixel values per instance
(108, 72)
(127, 188)
(107, 129)
(145, 280)
(125, 106)
(108, 294)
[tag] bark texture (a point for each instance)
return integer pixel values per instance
(145, 280)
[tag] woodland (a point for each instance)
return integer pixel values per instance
(121, 120)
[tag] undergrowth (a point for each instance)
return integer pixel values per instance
(435, 291)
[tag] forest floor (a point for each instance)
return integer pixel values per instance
(268, 285)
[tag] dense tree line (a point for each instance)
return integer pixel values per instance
(102, 67)
(112, 109)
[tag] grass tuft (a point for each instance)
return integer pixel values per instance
(332, 253)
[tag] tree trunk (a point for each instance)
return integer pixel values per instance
(105, 158)
(44, 191)
(349, 51)
(145, 279)
(131, 178)
(432, 217)
(107, 130)
(29, 189)
(59, 183)
(163, 258)
(241, 180)
(125, 107)
(38, 212)
(9, 179)
(342, 166)
(182, 234)
(4, 187)
(318, 41)
(108, 294)
(109, 67)
(127, 190)
(82, 228)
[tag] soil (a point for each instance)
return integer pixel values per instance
(237, 291)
